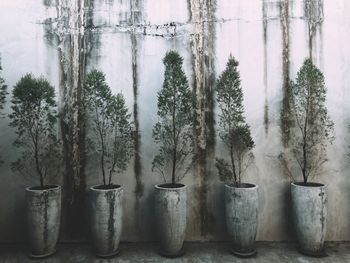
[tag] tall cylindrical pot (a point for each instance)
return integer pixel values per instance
(241, 204)
(170, 212)
(43, 208)
(106, 219)
(309, 202)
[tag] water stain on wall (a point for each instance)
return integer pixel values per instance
(71, 19)
(286, 118)
(266, 106)
(313, 12)
(136, 19)
(202, 14)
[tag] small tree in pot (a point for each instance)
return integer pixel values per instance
(312, 133)
(34, 117)
(174, 134)
(241, 198)
(111, 139)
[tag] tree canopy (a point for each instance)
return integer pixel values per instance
(314, 128)
(174, 130)
(109, 120)
(34, 117)
(233, 129)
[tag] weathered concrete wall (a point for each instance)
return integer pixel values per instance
(62, 40)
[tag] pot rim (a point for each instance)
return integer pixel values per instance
(162, 186)
(308, 184)
(51, 187)
(250, 186)
(117, 187)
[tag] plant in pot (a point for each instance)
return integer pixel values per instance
(174, 134)
(241, 199)
(34, 118)
(110, 136)
(311, 135)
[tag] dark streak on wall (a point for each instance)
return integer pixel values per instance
(72, 66)
(313, 10)
(266, 106)
(286, 118)
(202, 14)
(136, 19)
(210, 96)
(92, 39)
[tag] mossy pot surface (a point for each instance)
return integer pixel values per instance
(309, 203)
(43, 209)
(241, 205)
(171, 218)
(106, 219)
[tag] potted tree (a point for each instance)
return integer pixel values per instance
(312, 133)
(34, 118)
(174, 134)
(110, 138)
(241, 199)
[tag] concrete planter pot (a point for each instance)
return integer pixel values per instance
(241, 218)
(309, 204)
(106, 219)
(171, 212)
(43, 208)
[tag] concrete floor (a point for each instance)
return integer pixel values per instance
(268, 252)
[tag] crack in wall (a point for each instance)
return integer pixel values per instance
(202, 45)
(167, 30)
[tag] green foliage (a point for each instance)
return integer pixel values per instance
(3, 93)
(174, 130)
(286, 116)
(34, 117)
(314, 129)
(234, 131)
(109, 120)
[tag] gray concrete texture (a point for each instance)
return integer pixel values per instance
(170, 218)
(127, 40)
(268, 252)
(242, 218)
(106, 219)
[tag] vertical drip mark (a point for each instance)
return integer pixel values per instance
(210, 96)
(286, 118)
(210, 68)
(110, 200)
(137, 157)
(46, 220)
(71, 47)
(202, 45)
(266, 106)
(136, 19)
(92, 41)
(313, 10)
